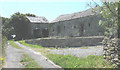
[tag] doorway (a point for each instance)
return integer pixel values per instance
(45, 32)
(36, 33)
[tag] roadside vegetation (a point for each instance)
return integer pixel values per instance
(29, 62)
(37, 48)
(3, 47)
(29, 45)
(14, 45)
(69, 61)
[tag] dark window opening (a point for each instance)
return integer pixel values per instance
(64, 27)
(81, 29)
(45, 32)
(58, 29)
(36, 33)
(89, 24)
(74, 26)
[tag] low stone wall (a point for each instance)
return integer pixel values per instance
(111, 50)
(70, 42)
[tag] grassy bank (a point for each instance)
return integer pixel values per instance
(29, 45)
(69, 61)
(13, 44)
(29, 62)
(37, 48)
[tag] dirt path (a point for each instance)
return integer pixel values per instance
(13, 57)
(40, 59)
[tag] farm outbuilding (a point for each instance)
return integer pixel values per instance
(78, 24)
(38, 27)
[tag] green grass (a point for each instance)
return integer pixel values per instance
(29, 45)
(14, 45)
(30, 63)
(0, 64)
(68, 61)
(37, 48)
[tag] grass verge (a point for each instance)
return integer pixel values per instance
(14, 45)
(29, 62)
(37, 48)
(2, 50)
(29, 45)
(68, 61)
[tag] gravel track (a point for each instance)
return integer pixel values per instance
(40, 59)
(13, 57)
(79, 51)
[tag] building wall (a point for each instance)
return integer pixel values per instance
(84, 26)
(38, 26)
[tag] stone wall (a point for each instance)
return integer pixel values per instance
(69, 42)
(111, 50)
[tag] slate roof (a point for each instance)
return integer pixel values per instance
(74, 15)
(37, 19)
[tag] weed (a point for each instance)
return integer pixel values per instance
(30, 63)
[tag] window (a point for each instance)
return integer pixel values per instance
(73, 26)
(58, 29)
(89, 24)
(53, 30)
(64, 27)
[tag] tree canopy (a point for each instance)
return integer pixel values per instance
(17, 24)
(7, 28)
(109, 11)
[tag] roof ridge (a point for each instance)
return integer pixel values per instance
(37, 19)
(64, 17)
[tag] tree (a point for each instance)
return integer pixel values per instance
(32, 15)
(109, 11)
(7, 28)
(20, 24)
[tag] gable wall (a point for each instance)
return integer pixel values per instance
(39, 26)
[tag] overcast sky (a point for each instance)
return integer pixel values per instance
(50, 9)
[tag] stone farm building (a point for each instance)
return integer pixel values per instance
(78, 24)
(73, 30)
(38, 27)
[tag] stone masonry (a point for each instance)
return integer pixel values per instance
(67, 42)
(111, 50)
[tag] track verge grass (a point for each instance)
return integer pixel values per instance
(29, 62)
(14, 45)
